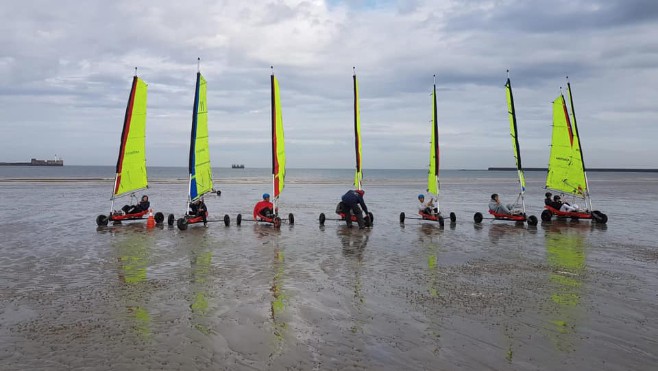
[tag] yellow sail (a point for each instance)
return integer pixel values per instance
(358, 175)
(131, 164)
(433, 173)
(565, 166)
(514, 133)
(278, 142)
(200, 168)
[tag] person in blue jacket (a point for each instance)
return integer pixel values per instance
(350, 203)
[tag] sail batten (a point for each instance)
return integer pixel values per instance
(278, 141)
(358, 175)
(200, 169)
(514, 133)
(131, 173)
(566, 172)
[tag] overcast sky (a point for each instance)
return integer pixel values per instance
(66, 69)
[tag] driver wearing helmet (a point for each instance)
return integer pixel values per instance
(264, 208)
(426, 207)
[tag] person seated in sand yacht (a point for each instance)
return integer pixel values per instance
(426, 207)
(263, 208)
(497, 207)
(199, 208)
(143, 205)
(563, 206)
(548, 201)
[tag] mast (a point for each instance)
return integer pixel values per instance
(515, 138)
(582, 157)
(274, 113)
(200, 168)
(358, 175)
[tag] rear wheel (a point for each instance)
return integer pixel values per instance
(402, 217)
(453, 217)
(277, 222)
(532, 220)
(599, 217)
(102, 220)
(171, 219)
(182, 224)
(219, 193)
(227, 220)
(441, 221)
(291, 219)
(159, 217)
(322, 218)
(238, 220)
(477, 218)
(546, 215)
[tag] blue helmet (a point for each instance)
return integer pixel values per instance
(266, 195)
(421, 196)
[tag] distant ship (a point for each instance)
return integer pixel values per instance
(36, 162)
(237, 166)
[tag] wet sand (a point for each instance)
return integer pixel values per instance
(564, 295)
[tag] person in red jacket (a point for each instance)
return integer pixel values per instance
(264, 208)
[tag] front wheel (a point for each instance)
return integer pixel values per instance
(322, 218)
(371, 219)
(238, 220)
(102, 220)
(182, 224)
(171, 219)
(291, 219)
(159, 217)
(546, 215)
(599, 217)
(477, 218)
(453, 217)
(277, 222)
(402, 217)
(441, 221)
(227, 220)
(532, 220)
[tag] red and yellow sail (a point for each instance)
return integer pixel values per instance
(278, 142)
(358, 175)
(131, 165)
(566, 172)
(433, 173)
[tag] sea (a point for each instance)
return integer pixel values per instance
(563, 295)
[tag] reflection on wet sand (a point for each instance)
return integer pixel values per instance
(277, 309)
(200, 266)
(428, 239)
(354, 242)
(565, 254)
(502, 231)
(133, 247)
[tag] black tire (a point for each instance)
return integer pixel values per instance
(599, 217)
(322, 218)
(546, 215)
(477, 218)
(453, 218)
(372, 218)
(171, 219)
(219, 193)
(402, 217)
(102, 220)
(277, 222)
(238, 219)
(227, 220)
(532, 220)
(291, 219)
(441, 221)
(182, 224)
(159, 217)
